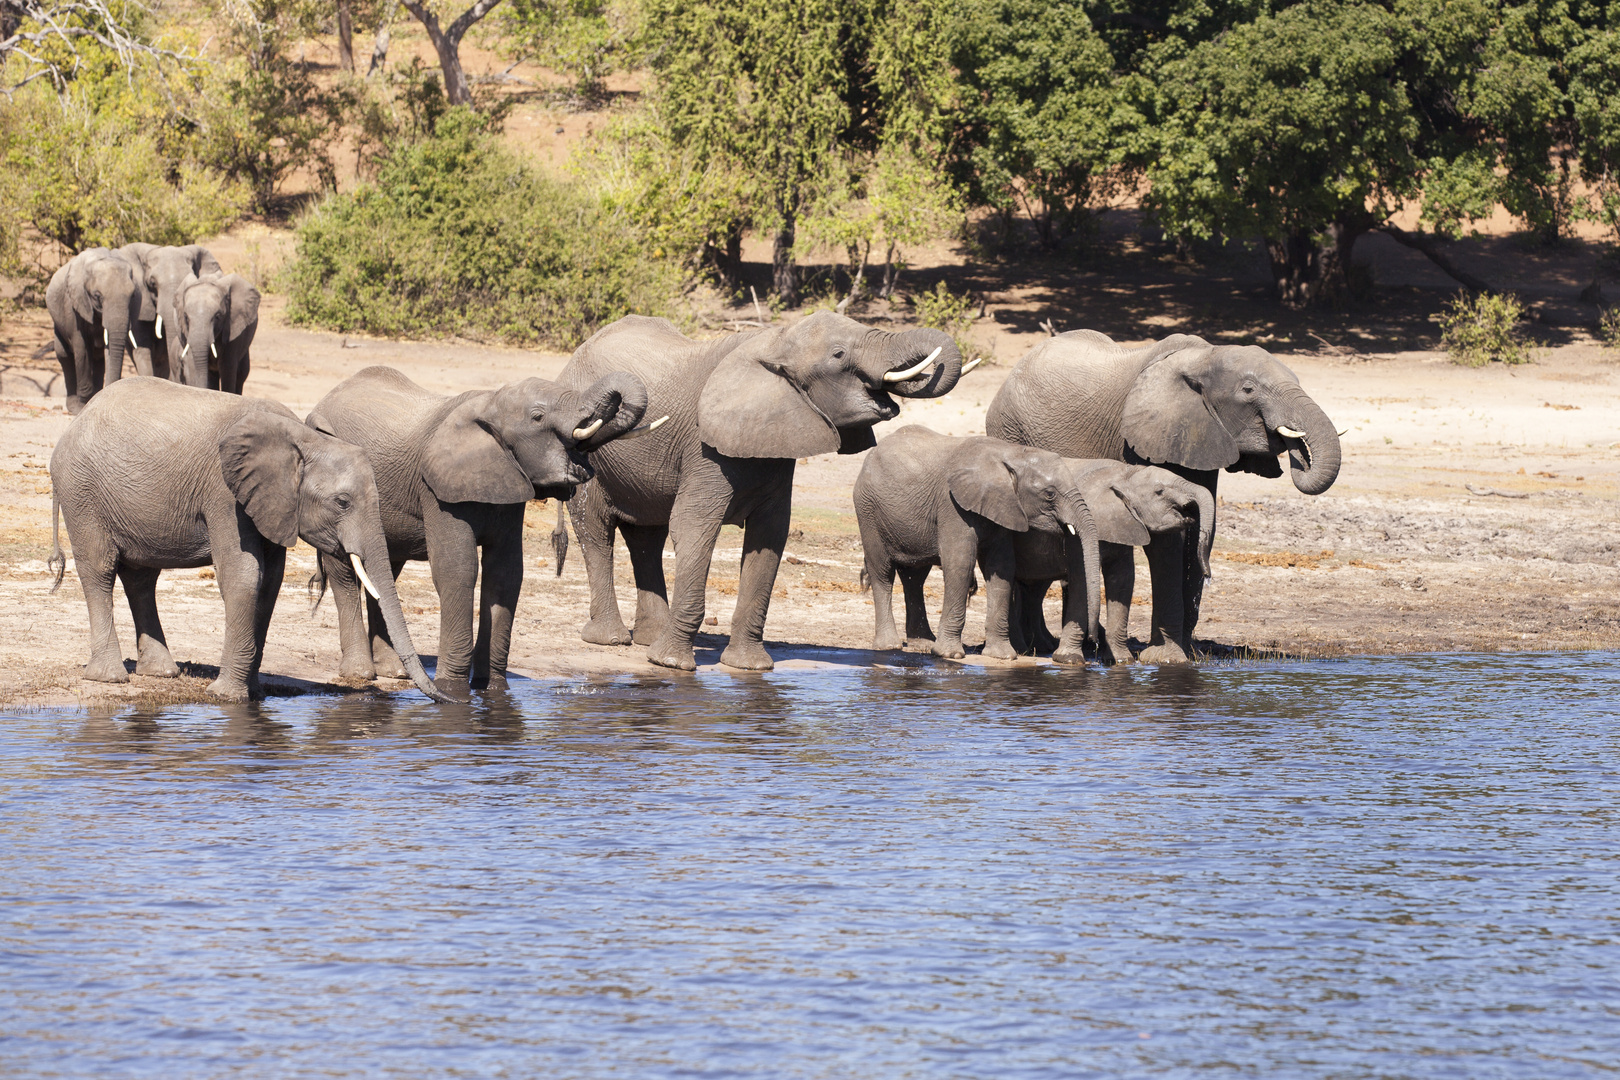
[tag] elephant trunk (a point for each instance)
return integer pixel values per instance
(619, 401)
(1313, 444)
(1205, 503)
(902, 352)
(374, 558)
(1080, 520)
(117, 321)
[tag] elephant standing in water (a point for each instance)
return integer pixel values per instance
(95, 304)
(924, 499)
(742, 410)
(1131, 504)
(153, 476)
(1192, 407)
(163, 270)
(455, 474)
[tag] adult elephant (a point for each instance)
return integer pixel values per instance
(95, 302)
(1131, 504)
(163, 270)
(216, 318)
(454, 475)
(742, 410)
(222, 480)
(1192, 407)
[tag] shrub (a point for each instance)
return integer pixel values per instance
(944, 310)
(1609, 328)
(1478, 329)
(457, 236)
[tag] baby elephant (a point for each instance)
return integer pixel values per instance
(1131, 504)
(924, 499)
(154, 475)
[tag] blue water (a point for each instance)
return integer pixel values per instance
(1388, 867)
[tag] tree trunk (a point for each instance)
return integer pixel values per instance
(891, 275)
(784, 269)
(379, 50)
(1294, 266)
(447, 43)
(1429, 245)
(345, 32)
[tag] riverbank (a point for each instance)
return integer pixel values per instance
(1477, 510)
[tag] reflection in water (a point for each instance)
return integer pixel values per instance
(1400, 867)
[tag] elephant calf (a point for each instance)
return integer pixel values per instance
(1132, 505)
(217, 316)
(924, 499)
(154, 475)
(455, 475)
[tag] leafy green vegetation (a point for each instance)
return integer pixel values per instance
(458, 236)
(1482, 328)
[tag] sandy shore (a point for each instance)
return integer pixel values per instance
(1404, 553)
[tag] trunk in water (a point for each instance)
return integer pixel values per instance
(375, 560)
(1315, 465)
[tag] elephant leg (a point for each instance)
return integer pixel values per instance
(764, 540)
(498, 595)
(880, 576)
(958, 549)
(646, 544)
(593, 527)
(240, 569)
(912, 579)
(696, 529)
(151, 649)
(141, 351)
(996, 560)
(96, 563)
(1166, 554)
(356, 662)
(1119, 583)
(275, 568)
(1028, 628)
(66, 351)
(453, 559)
(384, 658)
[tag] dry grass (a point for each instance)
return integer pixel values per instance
(1291, 559)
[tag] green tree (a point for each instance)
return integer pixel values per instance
(447, 42)
(589, 39)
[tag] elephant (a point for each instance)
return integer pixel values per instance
(1182, 403)
(743, 410)
(924, 499)
(154, 476)
(456, 474)
(216, 318)
(95, 303)
(1131, 504)
(163, 269)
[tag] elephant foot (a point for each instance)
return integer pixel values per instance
(454, 689)
(75, 406)
(1115, 652)
(109, 669)
(1068, 657)
(357, 669)
(647, 631)
(1167, 653)
(229, 689)
(385, 662)
(886, 642)
(920, 642)
(747, 656)
(157, 663)
(489, 682)
(1000, 650)
(672, 652)
(949, 649)
(604, 631)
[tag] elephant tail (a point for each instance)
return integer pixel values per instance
(57, 560)
(559, 538)
(316, 587)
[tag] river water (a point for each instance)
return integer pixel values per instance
(1384, 867)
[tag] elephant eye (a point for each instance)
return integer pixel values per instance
(343, 501)
(838, 353)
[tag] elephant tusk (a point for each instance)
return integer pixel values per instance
(360, 572)
(644, 429)
(1290, 433)
(160, 328)
(911, 372)
(970, 365)
(184, 352)
(104, 339)
(1341, 434)
(583, 433)
(131, 334)
(213, 350)
(1066, 525)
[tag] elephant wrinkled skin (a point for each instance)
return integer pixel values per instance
(1182, 403)
(742, 410)
(215, 320)
(163, 270)
(153, 476)
(454, 475)
(94, 301)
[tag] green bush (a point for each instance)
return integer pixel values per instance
(1478, 329)
(457, 236)
(1609, 328)
(944, 310)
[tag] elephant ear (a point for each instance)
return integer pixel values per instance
(202, 260)
(263, 467)
(1168, 420)
(753, 409)
(982, 481)
(136, 255)
(463, 461)
(1110, 506)
(84, 306)
(244, 301)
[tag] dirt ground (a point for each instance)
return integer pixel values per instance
(1476, 510)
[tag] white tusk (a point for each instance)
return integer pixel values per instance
(911, 372)
(644, 429)
(1341, 434)
(104, 340)
(1290, 433)
(971, 364)
(185, 351)
(583, 433)
(360, 572)
(213, 350)
(160, 328)
(131, 334)
(1066, 525)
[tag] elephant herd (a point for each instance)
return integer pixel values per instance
(180, 315)
(1093, 450)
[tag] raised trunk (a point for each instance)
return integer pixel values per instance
(619, 400)
(345, 35)
(784, 270)
(907, 348)
(375, 560)
(1314, 459)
